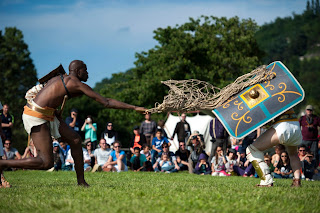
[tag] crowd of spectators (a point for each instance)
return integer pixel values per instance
(149, 149)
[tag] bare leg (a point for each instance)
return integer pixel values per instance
(43, 143)
(74, 140)
(294, 161)
(120, 165)
(267, 140)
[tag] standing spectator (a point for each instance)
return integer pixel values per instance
(117, 160)
(138, 161)
(309, 167)
(279, 148)
(74, 121)
(109, 134)
(101, 155)
(7, 122)
(148, 128)
(182, 155)
(310, 124)
(30, 151)
(86, 160)
(157, 145)
(182, 129)
(202, 167)
(197, 147)
(3, 182)
(137, 140)
(219, 136)
(161, 127)
(244, 167)
(218, 163)
(283, 169)
(90, 129)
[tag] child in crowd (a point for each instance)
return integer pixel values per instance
(166, 164)
(231, 161)
(283, 168)
(309, 167)
(146, 151)
(202, 167)
(218, 163)
(267, 160)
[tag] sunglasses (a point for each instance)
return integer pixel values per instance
(117, 146)
(302, 150)
(165, 147)
(7, 143)
(284, 156)
(219, 150)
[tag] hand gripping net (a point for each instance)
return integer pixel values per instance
(193, 94)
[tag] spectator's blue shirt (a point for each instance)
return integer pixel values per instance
(114, 156)
(158, 142)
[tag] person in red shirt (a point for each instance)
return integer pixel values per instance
(137, 140)
(310, 124)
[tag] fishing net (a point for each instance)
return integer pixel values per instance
(193, 94)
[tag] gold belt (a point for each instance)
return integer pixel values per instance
(48, 112)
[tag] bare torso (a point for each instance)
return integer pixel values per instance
(53, 93)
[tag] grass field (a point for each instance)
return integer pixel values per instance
(39, 191)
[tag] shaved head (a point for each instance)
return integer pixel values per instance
(75, 65)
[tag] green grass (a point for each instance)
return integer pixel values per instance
(39, 191)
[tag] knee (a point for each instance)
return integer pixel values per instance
(47, 164)
(254, 154)
(76, 141)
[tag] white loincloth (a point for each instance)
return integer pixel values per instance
(30, 121)
(289, 133)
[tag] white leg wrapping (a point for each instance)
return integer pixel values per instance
(256, 157)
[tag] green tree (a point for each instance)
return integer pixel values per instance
(18, 74)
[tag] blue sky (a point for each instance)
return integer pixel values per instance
(107, 34)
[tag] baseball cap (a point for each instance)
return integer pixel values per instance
(55, 144)
(310, 107)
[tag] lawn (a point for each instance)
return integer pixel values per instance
(39, 191)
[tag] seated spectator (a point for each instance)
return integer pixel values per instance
(139, 161)
(101, 156)
(89, 148)
(166, 164)
(309, 167)
(117, 160)
(182, 155)
(10, 153)
(86, 160)
(109, 134)
(267, 160)
(276, 157)
(283, 168)
(197, 147)
(157, 144)
(30, 151)
(90, 129)
(165, 150)
(218, 163)
(64, 147)
(137, 140)
(146, 151)
(302, 151)
(244, 167)
(231, 161)
(58, 158)
(202, 167)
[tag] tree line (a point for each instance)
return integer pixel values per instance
(212, 49)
